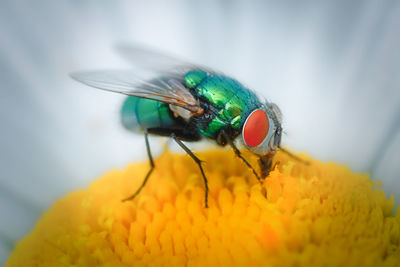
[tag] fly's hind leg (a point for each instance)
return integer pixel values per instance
(198, 162)
(146, 138)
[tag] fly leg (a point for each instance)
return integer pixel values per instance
(198, 162)
(146, 138)
(293, 156)
(239, 154)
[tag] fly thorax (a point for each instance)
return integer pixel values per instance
(194, 77)
(235, 122)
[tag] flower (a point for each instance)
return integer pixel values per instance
(311, 215)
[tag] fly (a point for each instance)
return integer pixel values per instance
(188, 102)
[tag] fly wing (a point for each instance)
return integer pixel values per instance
(152, 60)
(167, 89)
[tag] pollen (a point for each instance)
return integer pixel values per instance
(320, 214)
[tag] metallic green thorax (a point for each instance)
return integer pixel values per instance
(231, 102)
(225, 101)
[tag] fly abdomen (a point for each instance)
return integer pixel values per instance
(138, 114)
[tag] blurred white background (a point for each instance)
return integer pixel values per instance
(332, 66)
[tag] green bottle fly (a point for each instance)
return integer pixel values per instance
(187, 102)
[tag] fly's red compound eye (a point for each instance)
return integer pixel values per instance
(255, 128)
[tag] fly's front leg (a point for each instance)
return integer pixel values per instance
(198, 162)
(293, 156)
(237, 152)
(146, 139)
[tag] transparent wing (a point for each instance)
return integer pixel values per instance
(167, 89)
(145, 58)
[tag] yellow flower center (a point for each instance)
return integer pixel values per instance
(320, 214)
